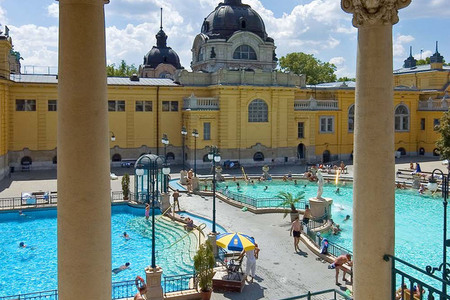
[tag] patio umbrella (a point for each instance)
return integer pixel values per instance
(235, 241)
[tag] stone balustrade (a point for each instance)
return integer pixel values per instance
(434, 104)
(313, 104)
(200, 103)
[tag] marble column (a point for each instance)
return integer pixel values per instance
(84, 208)
(374, 170)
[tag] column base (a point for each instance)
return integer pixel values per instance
(320, 206)
(153, 279)
(212, 239)
(165, 202)
(183, 177)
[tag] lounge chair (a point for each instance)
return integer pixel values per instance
(234, 268)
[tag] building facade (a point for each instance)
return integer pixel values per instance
(234, 98)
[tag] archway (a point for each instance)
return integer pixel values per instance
(301, 151)
(116, 157)
(421, 151)
(258, 156)
(436, 152)
(402, 151)
(326, 156)
(170, 156)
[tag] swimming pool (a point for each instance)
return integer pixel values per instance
(418, 218)
(34, 268)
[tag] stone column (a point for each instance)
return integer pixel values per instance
(374, 172)
(84, 208)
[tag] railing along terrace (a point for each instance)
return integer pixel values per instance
(203, 103)
(45, 295)
(21, 202)
(337, 295)
(256, 203)
(313, 104)
(123, 289)
(434, 104)
(177, 283)
(407, 286)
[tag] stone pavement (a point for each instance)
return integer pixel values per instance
(280, 271)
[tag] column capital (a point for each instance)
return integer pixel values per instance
(373, 12)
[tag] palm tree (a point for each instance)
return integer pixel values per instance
(290, 200)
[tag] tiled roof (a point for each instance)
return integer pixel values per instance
(420, 68)
(51, 79)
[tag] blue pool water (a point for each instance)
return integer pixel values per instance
(34, 268)
(418, 218)
(199, 220)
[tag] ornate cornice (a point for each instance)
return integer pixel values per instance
(373, 12)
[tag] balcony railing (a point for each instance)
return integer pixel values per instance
(200, 103)
(435, 104)
(313, 104)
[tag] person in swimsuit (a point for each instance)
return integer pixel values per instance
(121, 268)
(175, 196)
(125, 235)
(147, 211)
(296, 230)
(306, 215)
(338, 265)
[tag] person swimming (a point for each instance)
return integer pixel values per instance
(347, 217)
(337, 191)
(22, 245)
(121, 268)
(266, 188)
(125, 235)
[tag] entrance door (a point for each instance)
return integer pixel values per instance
(301, 151)
(326, 156)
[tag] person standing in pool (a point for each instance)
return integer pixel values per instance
(306, 215)
(147, 211)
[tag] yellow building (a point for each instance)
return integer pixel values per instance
(234, 98)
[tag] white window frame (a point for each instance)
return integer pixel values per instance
(325, 122)
(401, 119)
(119, 105)
(351, 118)
(258, 111)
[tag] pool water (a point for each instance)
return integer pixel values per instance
(418, 218)
(34, 268)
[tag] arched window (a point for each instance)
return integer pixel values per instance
(401, 118)
(26, 161)
(402, 151)
(244, 52)
(243, 23)
(201, 54)
(351, 118)
(116, 157)
(170, 156)
(258, 111)
(326, 156)
(258, 156)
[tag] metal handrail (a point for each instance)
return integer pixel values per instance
(177, 283)
(310, 294)
(427, 285)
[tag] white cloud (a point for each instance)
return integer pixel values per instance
(3, 16)
(36, 44)
(399, 45)
(424, 54)
(337, 61)
(53, 10)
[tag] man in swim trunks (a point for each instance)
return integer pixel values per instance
(175, 196)
(338, 265)
(296, 228)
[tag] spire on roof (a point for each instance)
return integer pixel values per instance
(161, 37)
(410, 62)
(436, 57)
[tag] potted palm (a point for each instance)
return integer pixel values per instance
(288, 200)
(204, 263)
(126, 186)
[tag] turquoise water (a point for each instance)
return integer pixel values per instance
(34, 268)
(418, 218)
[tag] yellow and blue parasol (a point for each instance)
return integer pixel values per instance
(235, 241)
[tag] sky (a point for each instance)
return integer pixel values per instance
(318, 27)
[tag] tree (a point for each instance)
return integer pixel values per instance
(315, 70)
(443, 143)
(123, 70)
(426, 61)
(288, 200)
(344, 79)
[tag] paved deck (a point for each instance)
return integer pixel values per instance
(280, 271)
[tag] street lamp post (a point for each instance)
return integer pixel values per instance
(214, 156)
(113, 137)
(183, 134)
(165, 141)
(444, 267)
(195, 135)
